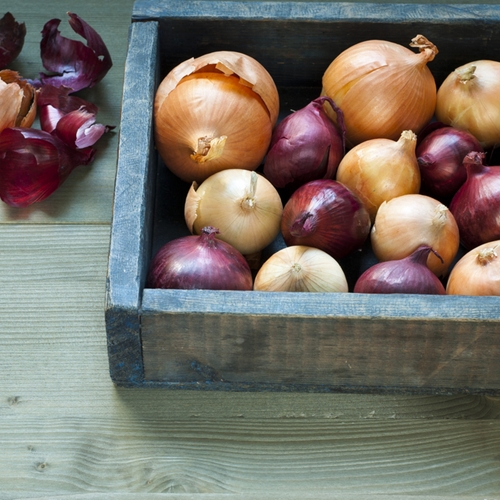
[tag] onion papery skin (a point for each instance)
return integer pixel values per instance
(407, 222)
(213, 113)
(382, 88)
(477, 273)
(440, 156)
(301, 268)
(199, 263)
(305, 146)
(325, 214)
(407, 275)
(381, 169)
(476, 205)
(468, 100)
(242, 204)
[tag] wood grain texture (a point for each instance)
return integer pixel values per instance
(66, 432)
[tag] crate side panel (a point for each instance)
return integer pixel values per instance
(132, 214)
(329, 351)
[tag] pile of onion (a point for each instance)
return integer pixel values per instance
(301, 269)
(477, 272)
(199, 262)
(378, 170)
(242, 204)
(215, 112)
(468, 100)
(382, 88)
(405, 223)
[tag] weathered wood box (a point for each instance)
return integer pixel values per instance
(277, 341)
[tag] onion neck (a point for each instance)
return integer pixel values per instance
(208, 235)
(407, 142)
(466, 75)
(474, 163)
(486, 256)
(249, 202)
(209, 148)
(428, 50)
(440, 216)
(303, 225)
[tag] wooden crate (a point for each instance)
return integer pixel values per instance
(259, 341)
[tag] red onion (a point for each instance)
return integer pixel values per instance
(440, 157)
(325, 214)
(200, 262)
(76, 66)
(407, 275)
(305, 146)
(476, 205)
(34, 163)
(12, 36)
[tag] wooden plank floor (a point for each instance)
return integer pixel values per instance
(67, 432)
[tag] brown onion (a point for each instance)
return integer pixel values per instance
(407, 275)
(407, 222)
(383, 88)
(243, 205)
(325, 214)
(199, 262)
(301, 269)
(477, 272)
(381, 169)
(215, 112)
(468, 100)
(476, 205)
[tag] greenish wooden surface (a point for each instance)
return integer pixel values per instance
(67, 432)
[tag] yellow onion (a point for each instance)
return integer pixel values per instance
(468, 99)
(244, 206)
(477, 272)
(300, 268)
(381, 169)
(405, 223)
(382, 88)
(18, 101)
(215, 112)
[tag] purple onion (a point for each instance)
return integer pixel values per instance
(12, 35)
(200, 262)
(76, 65)
(440, 156)
(476, 205)
(305, 146)
(327, 215)
(408, 275)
